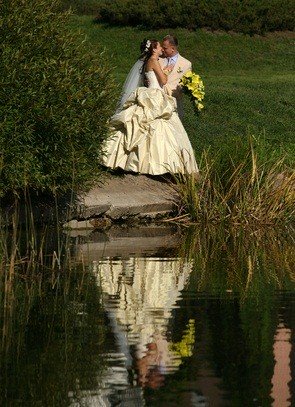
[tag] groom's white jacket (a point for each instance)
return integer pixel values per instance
(172, 87)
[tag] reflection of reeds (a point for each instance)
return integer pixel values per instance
(238, 261)
(242, 191)
(26, 263)
(49, 315)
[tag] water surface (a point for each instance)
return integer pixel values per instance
(155, 317)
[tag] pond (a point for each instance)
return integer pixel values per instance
(153, 316)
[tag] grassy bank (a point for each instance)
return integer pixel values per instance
(249, 81)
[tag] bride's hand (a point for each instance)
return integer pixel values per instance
(169, 67)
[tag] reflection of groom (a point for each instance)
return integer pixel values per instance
(176, 66)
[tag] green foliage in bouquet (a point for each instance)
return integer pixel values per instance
(55, 97)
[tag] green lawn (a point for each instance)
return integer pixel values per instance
(249, 81)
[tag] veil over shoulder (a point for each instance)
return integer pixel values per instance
(133, 81)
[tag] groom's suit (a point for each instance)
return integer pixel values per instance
(181, 66)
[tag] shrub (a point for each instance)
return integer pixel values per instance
(152, 14)
(55, 97)
(247, 16)
(84, 7)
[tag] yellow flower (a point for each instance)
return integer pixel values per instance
(196, 93)
(193, 83)
(184, 348)
(188, 74)
(196, 79)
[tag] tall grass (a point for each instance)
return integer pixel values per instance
(241, 190)
(56, 96)
(30, 256)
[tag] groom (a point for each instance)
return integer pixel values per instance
(176, 66)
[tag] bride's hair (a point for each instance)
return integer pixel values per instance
(147, 48)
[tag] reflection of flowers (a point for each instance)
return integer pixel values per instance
(184, 348)
(193, 85)
(162, 357)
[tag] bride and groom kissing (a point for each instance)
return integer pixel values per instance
(147, 135)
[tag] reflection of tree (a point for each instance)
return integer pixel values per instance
(55, 342)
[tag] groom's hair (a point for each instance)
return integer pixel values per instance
(171, 39)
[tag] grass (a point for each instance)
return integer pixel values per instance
(249, 81)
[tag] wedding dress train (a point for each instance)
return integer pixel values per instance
(148, 136)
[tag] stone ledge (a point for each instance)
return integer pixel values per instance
(124, 197)
(114, 199)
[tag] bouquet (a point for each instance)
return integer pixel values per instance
(193, 85)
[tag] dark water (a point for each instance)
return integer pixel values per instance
(154, 317)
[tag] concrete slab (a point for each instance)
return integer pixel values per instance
(122, 197)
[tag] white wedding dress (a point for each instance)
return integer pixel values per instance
(147, 135)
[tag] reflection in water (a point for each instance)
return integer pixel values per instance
(282, 370)
(56, 330)
(139, 295)
(207, 320)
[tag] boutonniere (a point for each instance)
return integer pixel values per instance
(179, 70)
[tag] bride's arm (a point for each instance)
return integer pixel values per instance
(153, 64)
(162, 78)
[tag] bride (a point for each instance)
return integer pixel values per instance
(147, 135)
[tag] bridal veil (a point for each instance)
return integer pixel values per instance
(133, 81)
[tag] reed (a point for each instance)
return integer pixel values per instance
(242, 190)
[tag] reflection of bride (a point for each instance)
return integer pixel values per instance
(147, 135)
(139, 296)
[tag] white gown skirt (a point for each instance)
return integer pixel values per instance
(148, 137)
